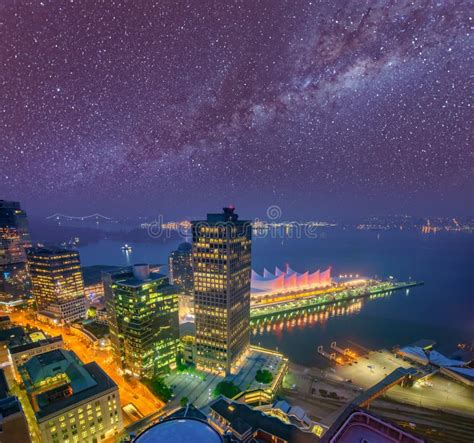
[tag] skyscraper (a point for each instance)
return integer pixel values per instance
(13, 217)
(180, 265)
(57, 283)
(14, 238)
(222, 262)
(142, 308)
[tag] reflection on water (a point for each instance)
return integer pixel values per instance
(300, 319)
(127, 253)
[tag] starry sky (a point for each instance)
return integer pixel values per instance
(321, 107)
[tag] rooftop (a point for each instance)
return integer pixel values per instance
(15, 335)
(37, 344)
(70, 381)
(103, 383)
(93, 274)
(464, 373)
(136, 282)
(184, 430)
(59, 361)
(50, 250)
(9, 406)
(243, 418)
(428, 355)
(358, 425)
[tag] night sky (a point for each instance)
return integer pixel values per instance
(321, 107)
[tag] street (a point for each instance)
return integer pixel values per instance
(131, 390)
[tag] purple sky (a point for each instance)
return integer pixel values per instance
(321, 107)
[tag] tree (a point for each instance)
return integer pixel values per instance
(161, 389)
(227, 389)
(264, 376)
(184, 401)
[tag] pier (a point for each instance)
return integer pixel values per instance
(262, 311)
(331, 357)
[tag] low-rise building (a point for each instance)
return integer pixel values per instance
(10, 337)
(20, 354)
(101, 315)
(5, 322)
(246, 424)
(13, 424)
(71, 401)
(93, 286)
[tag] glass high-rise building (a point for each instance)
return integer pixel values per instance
(222, 267)
(57, 283)
(13, 217)
(180, 265)
(142, 309)
(14, 238)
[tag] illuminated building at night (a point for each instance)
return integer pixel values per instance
(57, 283)
(142, 309)
(14, 238)
(221, 262)
(71, 401)
(20, 354)
(288, 280)
(180, 265)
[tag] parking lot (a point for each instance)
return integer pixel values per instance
(438, 392)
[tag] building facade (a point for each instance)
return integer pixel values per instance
(13, 424)
(14, 239)
(71, 401)
(222, 269)
(57, 283)
(142, 311)
(180, 265)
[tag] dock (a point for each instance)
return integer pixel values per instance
(261, 311)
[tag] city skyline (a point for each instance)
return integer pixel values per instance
(319, 107)
(236, 221)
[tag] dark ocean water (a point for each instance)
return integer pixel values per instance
(442, 309)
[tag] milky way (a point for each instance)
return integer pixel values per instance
(182, 106)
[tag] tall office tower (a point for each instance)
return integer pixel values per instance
(180, 265)
(57, 284)
(70, 401)
(142, 308)
(14, 238)
(222, 262)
